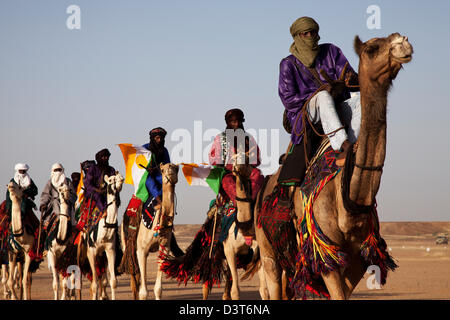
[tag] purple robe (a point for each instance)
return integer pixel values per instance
(294, 87)
(93, 179)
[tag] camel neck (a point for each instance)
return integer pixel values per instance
(16, 219)
(243, 207)
(168, 202)
(371, 151)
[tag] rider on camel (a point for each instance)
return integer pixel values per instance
(225, 147)
(316, 80)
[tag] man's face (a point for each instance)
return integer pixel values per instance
(57, 170)
(158, 140)
(22, 171)
(104, 159)
(234, 122)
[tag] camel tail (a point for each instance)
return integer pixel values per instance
(253, 266)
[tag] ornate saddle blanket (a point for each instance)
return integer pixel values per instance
(4, 231)
(148, 212)
(90, 215)
(316, 252)
(202, 261)
(275, 217)
(227, 215)
(130, 225)
(52, 232)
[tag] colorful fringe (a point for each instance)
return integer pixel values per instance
(201, 263)
(374, 249)
(197, 265)
(316, 253)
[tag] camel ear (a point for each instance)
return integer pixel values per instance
(358, 45)
(161, 166)
(106, 177)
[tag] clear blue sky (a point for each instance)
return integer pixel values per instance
(135, 65)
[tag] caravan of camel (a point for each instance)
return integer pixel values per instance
(300, 241)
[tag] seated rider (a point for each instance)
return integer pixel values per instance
(50, 203)
(316, 79)
(95, 187)
(159, 155)
(227, 144)
(22, 178)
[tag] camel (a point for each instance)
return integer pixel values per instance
(59, 244)
(380, 61)
(22, 244)
(244, 239)
(106, 236)
(160, 235)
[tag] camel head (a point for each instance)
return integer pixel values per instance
(382, 58)
(64, 193)
(240, 165)
(15, 191)
(169, 172)
(114, 183)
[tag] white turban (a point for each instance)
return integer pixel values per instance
(21, 166)
(22, 179)
(57, 177)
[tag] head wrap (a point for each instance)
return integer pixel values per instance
(21, 166)
(101, 153)
(22, 179)
(157, 132)
(234, 112)
(57, 177)
(85, 165)
(305, 49)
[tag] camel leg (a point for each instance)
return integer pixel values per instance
(94, 285)
(228, 283)
(352, 275)
(231, 259)
(111, 256)
(103, 284)
(30, 280)
(64, 287)
(263, 292)
(25, 278)
(51, 263)
(157, 289)
(142, 260)
(18, 279)
(5, 276)
(11, 279)
(334, 284)
(272, 274)
(205, 291)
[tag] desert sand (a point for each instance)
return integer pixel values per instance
(423, 273)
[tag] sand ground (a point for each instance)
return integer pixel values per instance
(423, 273)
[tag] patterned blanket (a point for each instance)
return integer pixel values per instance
(130, 225)
(203, 259)
(316, 252)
